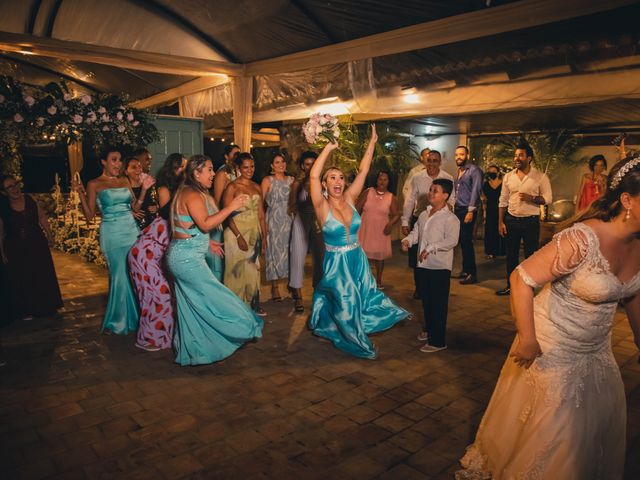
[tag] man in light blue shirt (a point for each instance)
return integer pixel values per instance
(468, 187)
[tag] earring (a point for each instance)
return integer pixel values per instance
(627, 215)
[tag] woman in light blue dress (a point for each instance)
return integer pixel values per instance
(212, 321)
(347, 306)
(111, 193)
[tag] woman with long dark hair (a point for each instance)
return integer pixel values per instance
(111, 193)
(155, 329)
(559, 409)
(212, 321)
(25, 236)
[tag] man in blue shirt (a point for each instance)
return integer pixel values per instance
(468, 187)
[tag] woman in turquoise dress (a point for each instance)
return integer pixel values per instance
(212, 321)
(347, 306)
(111, 193)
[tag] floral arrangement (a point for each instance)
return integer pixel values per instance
(30, 115)
(321, 128)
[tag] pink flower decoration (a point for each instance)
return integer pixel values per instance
(86, 99)
(77, 118)
(102, 110)
(105, 118)
(136, 123)
(1, 98)
(121, 128)
(67, 97)
(130, 117)
(40, 121)
(52, 110)
(119, 116)
(105, 128)
(18, 118)
(29, 100)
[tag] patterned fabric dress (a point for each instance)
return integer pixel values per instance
(375, 216)
(242, 269)
(279, 225)
(564, 417)
(155, 330)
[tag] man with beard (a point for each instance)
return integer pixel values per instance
(524, 189)
(143, 155)
(468, 188)
(417, 201)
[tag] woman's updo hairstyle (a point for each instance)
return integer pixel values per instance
(241, 157)
(624, 177)
(195, 163)
(166, 176)
(597, 158)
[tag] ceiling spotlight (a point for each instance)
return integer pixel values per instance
(212, 139)
(251, 146)
(262, 143)
(328, 99)
(408, 90)
(412, 98)
(223, 140)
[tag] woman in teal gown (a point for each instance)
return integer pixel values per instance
(111, 193)
(212, 321)
(347, 305)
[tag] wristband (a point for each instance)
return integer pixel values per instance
(238, 235)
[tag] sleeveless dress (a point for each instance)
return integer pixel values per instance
(375, 216)
(146, 258)
(29, 268)
(242, 269)
(212, 321)
(215, 262)
(279, 225)
(591, 191)
(346, 303)
(564, 417)
(118, 233)
(493, 241)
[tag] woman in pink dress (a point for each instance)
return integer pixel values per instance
(379, 214)
(146, 257)
(593, 183)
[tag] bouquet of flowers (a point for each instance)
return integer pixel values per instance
(321, 127)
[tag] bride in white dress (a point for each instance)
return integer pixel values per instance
(558, 410)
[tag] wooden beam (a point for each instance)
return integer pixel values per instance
(116, 57)
(189, 88)
(458, 28)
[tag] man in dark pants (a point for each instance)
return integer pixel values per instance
(468, 188)
(524, 190)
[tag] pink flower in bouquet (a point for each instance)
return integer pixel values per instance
(77, 118)
(67, 97)
(40, 121)
(18, 118)
(29, 100)
(130, 117)
(102, 110)
(321, 127)
(52, 110)
(86, 99)
(119, 116)
(121, 128)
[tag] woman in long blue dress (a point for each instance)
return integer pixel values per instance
(111, 193)
(347, 306)
(212, 321)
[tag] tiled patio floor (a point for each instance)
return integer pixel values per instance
(77, 404)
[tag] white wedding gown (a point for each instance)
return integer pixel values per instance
(565, 417)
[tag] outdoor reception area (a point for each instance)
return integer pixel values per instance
(312, 239)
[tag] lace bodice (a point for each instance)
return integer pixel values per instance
(574, 313)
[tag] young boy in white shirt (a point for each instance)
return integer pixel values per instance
(436, 232)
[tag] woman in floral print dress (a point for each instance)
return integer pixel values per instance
(155, 331)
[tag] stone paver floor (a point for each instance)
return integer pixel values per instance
(77, 404)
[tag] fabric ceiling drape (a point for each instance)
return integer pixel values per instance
(242, 111)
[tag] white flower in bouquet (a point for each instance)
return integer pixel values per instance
(321, 127)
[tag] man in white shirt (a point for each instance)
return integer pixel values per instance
(417, 200)
(436, 233)
(406, 188)
(524, 190)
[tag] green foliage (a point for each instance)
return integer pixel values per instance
(553, 152)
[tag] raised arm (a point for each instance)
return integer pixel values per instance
(363, 170)
(197, 208)
(315, 183)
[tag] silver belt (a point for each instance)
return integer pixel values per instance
(343, 248)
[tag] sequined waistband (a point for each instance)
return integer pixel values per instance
(342, 248)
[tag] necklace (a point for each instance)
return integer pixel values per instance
(380, 195)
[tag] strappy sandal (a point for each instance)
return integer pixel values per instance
(261, 312)
(298, 306)
(274, 297)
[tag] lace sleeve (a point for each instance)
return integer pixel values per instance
(558, 258)
(572, 245)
